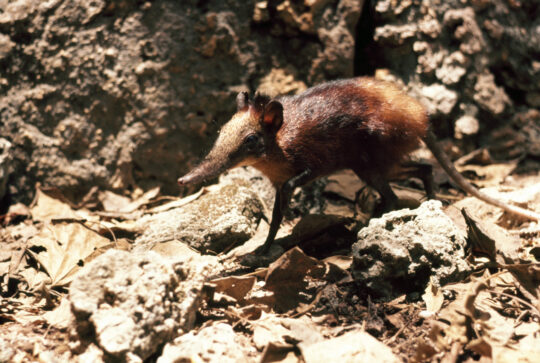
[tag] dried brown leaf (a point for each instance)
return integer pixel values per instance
(286, 277)
(46, 208)
(490, 239)
(236, 287)
(489, 175)
(480, 240)
(116, 203)
(275, 352)
(174, 248)
(113, 202)
(250, 312)
(66, 246)
(60, 316)
(433, 297)
(345, 184)
(178, 203)
(528, 276)
(343, 262)
(424, 352)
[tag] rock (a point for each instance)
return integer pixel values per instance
(484, 52)
(401, 251)
(280, 331)
(129, 304)
(228, 215)
(6, 45)
(453, 68)
(395, 34)
(466, 29)
(257, 182)
(466, 126)
(488, 95)
(354, 346)
(438, 99)
(145, 85)
(6, 351)
(215, 343)
(533, 99)
(279, 82)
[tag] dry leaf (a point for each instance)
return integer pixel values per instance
(236, 287)
(275, 352)
(250, 312)
(34, 278)
(116, 203)
(66, 245)
(46, 208)
(489, 239)
(178, 203)
(113, 202)
(174, 248)
(424, 351)
(479, 239)
(286, 277)
(60, 316)
(433, 298)
(480, 346)
(343, 262)
(345, 184)
(489, 175)
(528, 276)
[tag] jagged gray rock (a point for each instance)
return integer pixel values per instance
(122, 95)
(128, 304)
(221, 338)
(225, 216)
(402, 250)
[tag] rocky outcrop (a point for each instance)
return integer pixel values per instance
(477, 59)
(127, 94)
(403, 250)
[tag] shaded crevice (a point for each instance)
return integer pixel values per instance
(364, 54)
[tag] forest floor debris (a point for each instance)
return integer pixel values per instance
(290, 310)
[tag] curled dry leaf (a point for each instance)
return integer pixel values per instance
(480, 240)
(65, 247)
(343, 262)
(46, 208)
(178, 203)
(433, 298)
(118, 203)
(286, 277)
(489, 239)
(528, 276)
(236, 287)
(488, 175)
(60, 316)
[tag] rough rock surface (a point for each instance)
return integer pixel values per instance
(128, 304)
(462, 58)
(399, 252)
(123, 94)
(193, 346)
(257, 182)
(355, 346)
(225, 216)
